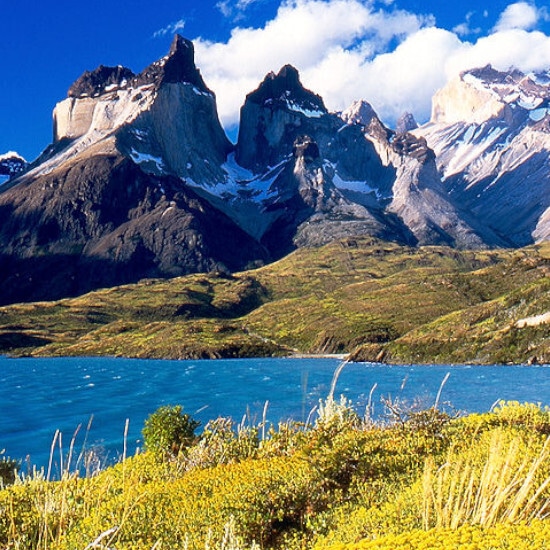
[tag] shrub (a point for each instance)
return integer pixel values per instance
(8, 470)
(168, 431)
(222, 443)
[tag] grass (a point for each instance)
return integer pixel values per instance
(372, 299)
(341, 482)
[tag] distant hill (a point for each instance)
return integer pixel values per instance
(377, 301)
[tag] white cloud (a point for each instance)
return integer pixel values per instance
(235, 9)
(347, 50)
(520, 15)
(172, 28)
(465, 28)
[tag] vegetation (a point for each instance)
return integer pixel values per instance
(169, 432)
(422, 479)
(373, 299)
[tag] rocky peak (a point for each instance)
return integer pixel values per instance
(359, 112)
(285, 89)
(406, 123)
(177, 66)
(483, 94)
(274, 115)
(100, 80)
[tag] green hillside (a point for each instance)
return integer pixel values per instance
(373, 299)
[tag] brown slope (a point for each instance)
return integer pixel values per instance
(102, 221)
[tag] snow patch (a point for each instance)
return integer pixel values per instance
(200, 92)
(143, 158)
(537, 115)
(242, 183)
(529, 103)
(356, 186)
(141, 135)
(310, 113)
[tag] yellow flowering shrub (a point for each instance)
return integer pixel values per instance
(341, 483)
(468, 537)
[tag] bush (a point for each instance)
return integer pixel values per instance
(168, 431)
(8, 471)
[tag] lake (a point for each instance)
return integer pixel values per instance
(40, 396)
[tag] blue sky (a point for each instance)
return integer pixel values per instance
(393, 53)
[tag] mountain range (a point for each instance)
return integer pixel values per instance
(141, 181)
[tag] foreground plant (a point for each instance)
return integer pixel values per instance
(340, 482)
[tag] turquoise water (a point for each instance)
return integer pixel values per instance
(40, 396)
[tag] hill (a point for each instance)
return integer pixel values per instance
(377, 301)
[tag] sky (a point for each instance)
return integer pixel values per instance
(393, 53)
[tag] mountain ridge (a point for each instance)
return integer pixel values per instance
(476, 176)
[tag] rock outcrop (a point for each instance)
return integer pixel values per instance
(490, 134)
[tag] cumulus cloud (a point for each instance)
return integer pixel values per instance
(520, 15)
(170, 29)
(350, 49)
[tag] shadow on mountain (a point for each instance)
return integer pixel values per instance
(19, 340)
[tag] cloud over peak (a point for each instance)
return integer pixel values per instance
(354, 49)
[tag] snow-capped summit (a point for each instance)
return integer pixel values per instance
(359, 112)
(490, 133)
(479, 95)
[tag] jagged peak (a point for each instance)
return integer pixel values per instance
(177, 66)
(181, 44)
(286, 89)
(359, 112)
(485, 93)
(491, 75)
(100, 80)
(406, 123)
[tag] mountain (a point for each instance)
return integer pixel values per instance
(141, 180)
(490, 132)
(106, 203)
(11, 164)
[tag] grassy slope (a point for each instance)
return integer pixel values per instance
(373, 298)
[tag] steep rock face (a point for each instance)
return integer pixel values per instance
(103, 222)
(490, 133)
(420, 200)
(423, 213)
(309, 210)
(111, 109)
(273, 116)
